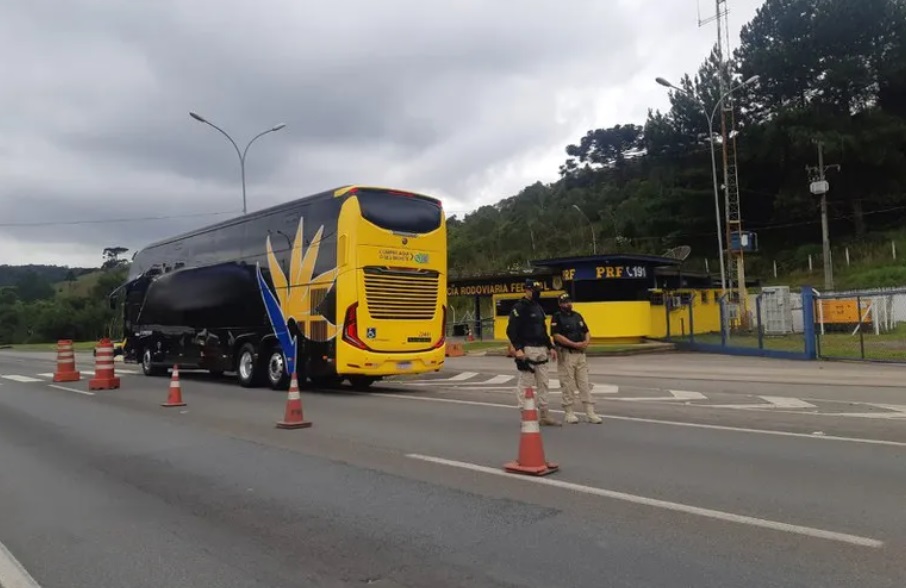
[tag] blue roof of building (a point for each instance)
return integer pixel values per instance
(613, 258)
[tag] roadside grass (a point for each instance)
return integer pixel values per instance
(889, 346)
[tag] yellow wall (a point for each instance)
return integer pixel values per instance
(629, 320)
(705, 316)
(633, 320)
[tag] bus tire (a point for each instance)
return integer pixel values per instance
(248, 367)
(277, 374)
(148, 368)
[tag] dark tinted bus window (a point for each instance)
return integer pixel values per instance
(396, 212)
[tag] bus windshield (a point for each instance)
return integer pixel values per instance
(399, 212)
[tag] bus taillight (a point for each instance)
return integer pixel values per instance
(443, 328)
(351, 327)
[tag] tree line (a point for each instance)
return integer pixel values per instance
(46, 303)
(828, 70)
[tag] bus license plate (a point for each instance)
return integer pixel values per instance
(404, 365)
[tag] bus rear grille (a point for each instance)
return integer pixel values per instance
(398, 295)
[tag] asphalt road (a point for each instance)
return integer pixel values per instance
(403, 487)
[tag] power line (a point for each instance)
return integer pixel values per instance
(115, 220)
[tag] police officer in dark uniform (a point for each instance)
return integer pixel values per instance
(533, 349)
(571, 336)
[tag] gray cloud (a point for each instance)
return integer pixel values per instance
(437, 96)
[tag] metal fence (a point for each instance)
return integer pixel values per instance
(771, 324)
(866, 325)
(472, 330)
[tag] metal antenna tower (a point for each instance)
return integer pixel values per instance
(728, 143)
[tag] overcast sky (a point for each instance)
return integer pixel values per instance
(468, 100)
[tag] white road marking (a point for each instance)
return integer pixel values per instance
(498, 380)
(605, 389)
(654, 502)
(21, 379)
(687, 395)
(674, 395)
(461, 377)
(12, 573)
(657, 421)
(438, 381)
(786, 402)
(76, 390)
(510, 388)
(895, 407)
(48, 375)
(864, 415)
(553, 384)
(122, 371)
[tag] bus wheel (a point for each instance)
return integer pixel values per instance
(247, 368)
(148, 368)
(277, 375)
(361, 382)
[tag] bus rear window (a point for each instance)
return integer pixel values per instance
(400, 213)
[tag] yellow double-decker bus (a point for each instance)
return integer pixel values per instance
(344, 284)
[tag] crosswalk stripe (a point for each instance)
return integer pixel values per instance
(605, 389)
(21, 379)
(687, 395)
(502, 379)
(553, 384)
(50, 375)
(461, 377)
(674, 395)
(785, 402)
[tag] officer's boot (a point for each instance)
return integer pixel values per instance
(571, 417)
(546, 420)
(592, 417)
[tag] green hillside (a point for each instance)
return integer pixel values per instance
(82, 285)
(648, 187)
(34, 310)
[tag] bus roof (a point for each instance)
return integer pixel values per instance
(339, 192)
(334, 193)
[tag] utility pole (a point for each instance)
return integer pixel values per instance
(819, 185)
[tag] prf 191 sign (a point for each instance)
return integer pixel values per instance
(607, 272)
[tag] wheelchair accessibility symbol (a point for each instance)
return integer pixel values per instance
(371, 333)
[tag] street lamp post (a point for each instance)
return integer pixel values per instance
(242, 153)
(710, 118)
(594, 245)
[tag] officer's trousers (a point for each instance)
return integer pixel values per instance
(537, 380)
(572, 368)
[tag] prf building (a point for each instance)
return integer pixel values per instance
(624, 298)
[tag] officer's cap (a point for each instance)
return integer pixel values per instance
(532, 285)
(564, 298)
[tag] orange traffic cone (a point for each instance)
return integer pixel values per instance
(531, 451)
(175, 396)
(292, 417)
(66, 371)
(104, 378)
